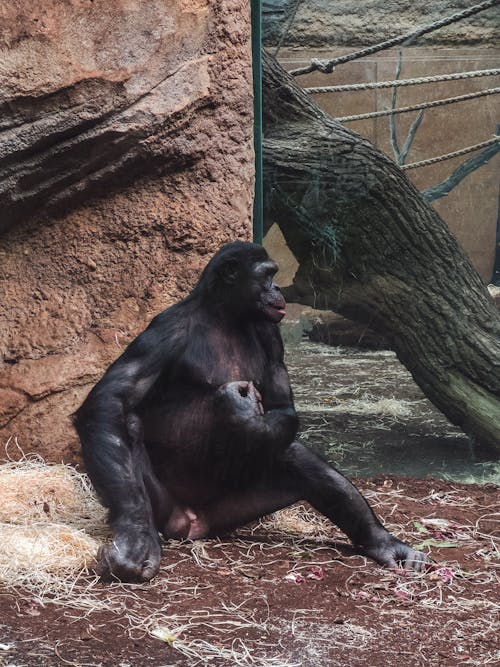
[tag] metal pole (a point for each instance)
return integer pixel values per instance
(258, 211)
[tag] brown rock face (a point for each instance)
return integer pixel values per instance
(125, 161)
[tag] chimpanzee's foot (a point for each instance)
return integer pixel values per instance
(130, 557)
(391, 552)
(184, 524)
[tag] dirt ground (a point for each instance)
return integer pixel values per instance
(364, 412)
(287, 591)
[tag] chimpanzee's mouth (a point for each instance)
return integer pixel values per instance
(276, 313)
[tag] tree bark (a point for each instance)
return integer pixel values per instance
(370, 247)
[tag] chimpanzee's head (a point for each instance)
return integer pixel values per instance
(239, 277)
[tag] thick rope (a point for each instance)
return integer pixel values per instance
(417, 107)
(449, 156)
(327, 66)
(403, 82)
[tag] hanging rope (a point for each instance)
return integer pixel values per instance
(449, 156)
(403, 82)
(417, 107)
(327, 66)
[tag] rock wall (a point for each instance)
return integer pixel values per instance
(320, 23)
(126, 159)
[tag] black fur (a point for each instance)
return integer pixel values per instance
(191, 431)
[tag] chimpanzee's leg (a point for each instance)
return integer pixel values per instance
(338, 499)
(302, 475)
(230, 511)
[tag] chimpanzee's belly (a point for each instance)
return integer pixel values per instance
(193, 454)
(180, 426)
(190, 446)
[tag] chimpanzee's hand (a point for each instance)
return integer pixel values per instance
(131, 557)
(238, 400)
(387, 550)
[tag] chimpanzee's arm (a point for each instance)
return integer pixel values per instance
(266, 420)
(111, 436)
(279, 421)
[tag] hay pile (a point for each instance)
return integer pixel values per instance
(298, 521)
(51, 523)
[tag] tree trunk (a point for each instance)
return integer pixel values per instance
(370, 247)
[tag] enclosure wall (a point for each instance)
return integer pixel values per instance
(126, 160)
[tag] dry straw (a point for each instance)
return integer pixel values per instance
(51, 525)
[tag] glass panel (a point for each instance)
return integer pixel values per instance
(361, 229)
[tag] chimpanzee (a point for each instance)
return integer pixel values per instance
(191, 432)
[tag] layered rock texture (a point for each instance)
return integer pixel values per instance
(317, 23)
(125, 161)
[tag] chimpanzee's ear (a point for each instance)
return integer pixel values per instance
(227, 271)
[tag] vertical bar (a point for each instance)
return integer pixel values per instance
(495, 278)
(258, 210)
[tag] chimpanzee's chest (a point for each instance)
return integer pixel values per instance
(218, 358)
(224, 360)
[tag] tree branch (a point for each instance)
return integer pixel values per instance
(445, 187)
(371, 247)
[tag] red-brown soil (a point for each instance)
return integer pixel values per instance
(229, 602)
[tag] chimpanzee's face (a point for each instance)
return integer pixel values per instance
(267, 300)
